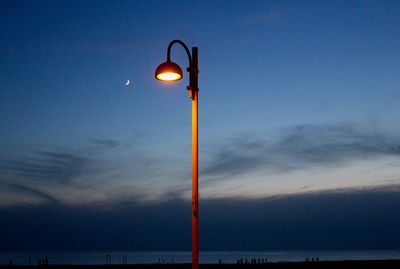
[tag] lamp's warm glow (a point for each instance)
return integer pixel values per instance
(169, 76)
(168, 71)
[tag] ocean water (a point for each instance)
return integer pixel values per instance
(148, 257)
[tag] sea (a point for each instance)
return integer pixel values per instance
(152, 257)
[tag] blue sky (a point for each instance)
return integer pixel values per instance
(296, 98)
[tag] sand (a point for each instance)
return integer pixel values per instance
(378, 264)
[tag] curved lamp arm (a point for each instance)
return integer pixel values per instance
(183, 45)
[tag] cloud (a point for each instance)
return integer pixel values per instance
(301, 147)
(102, 171)
(300, 159)
(337, 143)
(50, 176)
(355, 219)
(105, 143)
(24, 190)
(359, 219)
(99, 171)
(48, 166)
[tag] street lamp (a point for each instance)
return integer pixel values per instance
(169, 72)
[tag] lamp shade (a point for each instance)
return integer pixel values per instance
(168, 71)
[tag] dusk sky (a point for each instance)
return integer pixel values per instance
(299, 132)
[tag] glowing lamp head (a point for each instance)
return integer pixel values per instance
(168, 71)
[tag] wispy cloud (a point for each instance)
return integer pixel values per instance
(100, 171)
(48, 166)
(300, 159)
(25, 190)
(301, 147)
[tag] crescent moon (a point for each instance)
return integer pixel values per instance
(127, 82)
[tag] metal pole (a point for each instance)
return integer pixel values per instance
(195, 160)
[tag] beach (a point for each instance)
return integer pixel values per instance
(379, 264)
